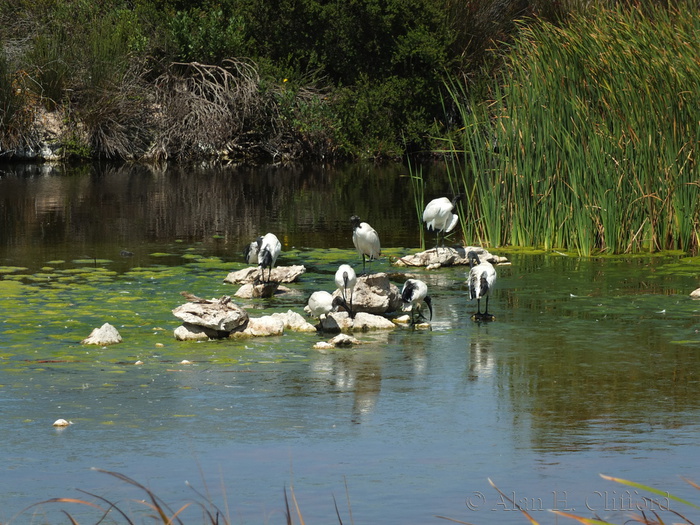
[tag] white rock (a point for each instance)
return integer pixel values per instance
(261, 327)
(62, 423)
(105, 335)
(191, 332)
(695, 294)
(222, 315)
(280, 274)
(343, 341)
(448, 256)
(295, 322)
(364, 322)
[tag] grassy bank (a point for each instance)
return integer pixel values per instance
(589, 139)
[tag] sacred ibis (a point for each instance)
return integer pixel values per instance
(439, 217)
(413, 294)
(322, 303)
(345, 280)
(365, 239)
(482, 277)
(270, 248)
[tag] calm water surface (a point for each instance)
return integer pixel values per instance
(591, 366)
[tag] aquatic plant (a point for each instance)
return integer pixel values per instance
(160, 512)
(590, 139)
(653, 516)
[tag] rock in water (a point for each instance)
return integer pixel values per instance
(104, 335)
(221, 315)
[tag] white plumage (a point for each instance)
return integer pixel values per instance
(438, 216)
(345, 280)
(270, 248)
(321, 304)
(482, 277)
(413, 294)
(365, 239)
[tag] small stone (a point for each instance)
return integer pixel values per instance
(105, 335)
(62, 423)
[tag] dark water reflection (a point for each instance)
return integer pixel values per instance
(592, 365)
(110, 208)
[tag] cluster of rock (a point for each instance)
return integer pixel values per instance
(448, 256)
(204, 319)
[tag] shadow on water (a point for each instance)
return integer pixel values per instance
(591, 365)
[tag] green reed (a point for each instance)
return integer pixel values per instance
(597, 136)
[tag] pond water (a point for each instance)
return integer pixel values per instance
(591, 366)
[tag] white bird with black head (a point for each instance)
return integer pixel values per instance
(439, 216)
(365, 239)
(345, 280)
(270, 248)
(482, 277)
(413, 294)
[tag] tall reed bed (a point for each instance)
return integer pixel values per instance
(590, 140)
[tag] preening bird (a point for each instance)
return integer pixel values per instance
(365, 239)
(251, 251)
(413, 294)
(482, 277)
(345, 280)
(322, 303)
(270, 248)
(438, 216)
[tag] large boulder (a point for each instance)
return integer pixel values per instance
(363, 322)
(375, 294)
(295, 322)
(260, 327)
(220, 315)
(448, 256)
(103, 336)
(279, 274)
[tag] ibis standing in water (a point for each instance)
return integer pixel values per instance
(365, 239)
(270, 248)
(251, 251)
(482, 277)
(345, 280)
(438, 216)
(413, 294)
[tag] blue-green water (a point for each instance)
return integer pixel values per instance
(591, 366)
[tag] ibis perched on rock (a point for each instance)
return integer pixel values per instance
(345, 280)
(365, 239)
(482, 277)
(270, 248)
(322, 303)
(439, 216)
(413, 294)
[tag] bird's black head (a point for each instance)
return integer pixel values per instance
(355, 221)
(473, 258)
(339, 301)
